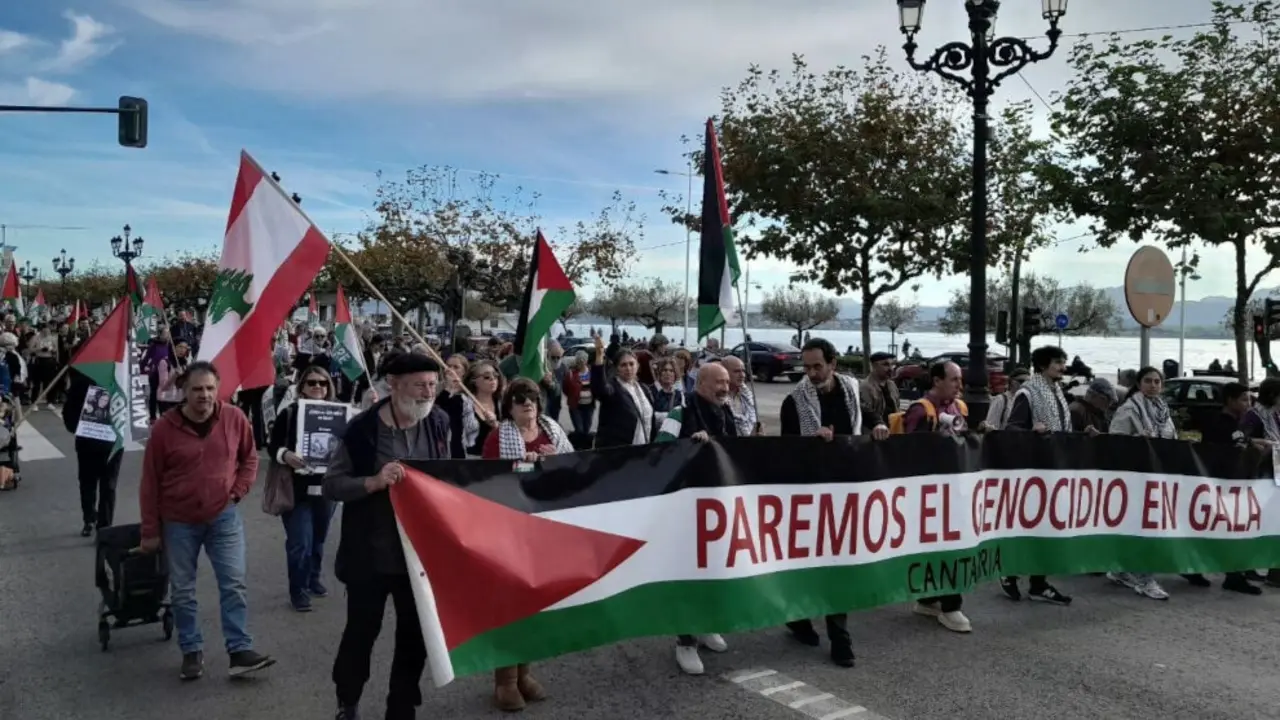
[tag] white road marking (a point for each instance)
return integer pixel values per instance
(799, 696)
(36, 446)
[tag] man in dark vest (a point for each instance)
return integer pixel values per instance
(371, 563)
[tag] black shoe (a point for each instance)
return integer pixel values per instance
(192, 666)
(87, 530)
(1237, 583)
(842, 655)
(1010, 587)
(1198, 580)
(301, 603)
(318, 589)
(347, 712)
(805, 634)
(1049, 594)
(247, 661)
(1254, 576)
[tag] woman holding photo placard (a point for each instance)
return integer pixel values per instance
(307, 525)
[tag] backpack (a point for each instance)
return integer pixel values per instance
(897, 421)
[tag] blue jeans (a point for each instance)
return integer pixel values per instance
(581, 417)
(305, 528)
(223, 541)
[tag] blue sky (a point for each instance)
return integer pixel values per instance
(571, 99)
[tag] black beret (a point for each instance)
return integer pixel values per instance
(410, 363)
(878, 356)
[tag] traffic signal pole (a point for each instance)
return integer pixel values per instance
(132, 113)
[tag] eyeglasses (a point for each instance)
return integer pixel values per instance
(317, 383)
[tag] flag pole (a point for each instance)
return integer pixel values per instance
(751, 378)
(266, 177)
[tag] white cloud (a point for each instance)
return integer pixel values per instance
(35, 91)
(89, 40)
(10, 41)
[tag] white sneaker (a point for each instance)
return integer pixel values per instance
(1123, 578)
(713, 642)
(926, 610)
(1150, 588)
(955, 621)
(688, 660)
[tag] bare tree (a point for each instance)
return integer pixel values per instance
(892, 313)
(575, 309)
(614, 304)
(656, 303)
(799, 309)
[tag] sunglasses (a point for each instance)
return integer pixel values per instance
(317, 383)
(524, 400)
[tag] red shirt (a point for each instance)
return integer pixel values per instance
(190, 479)
(492, 446)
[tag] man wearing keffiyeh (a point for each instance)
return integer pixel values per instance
(1040, 405)
(741, 402)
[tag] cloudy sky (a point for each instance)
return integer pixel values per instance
(569, 98)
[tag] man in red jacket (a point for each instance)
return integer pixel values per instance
(200, 462)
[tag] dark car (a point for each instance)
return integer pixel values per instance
(913, 378)
(1194, 400)
(770, 360)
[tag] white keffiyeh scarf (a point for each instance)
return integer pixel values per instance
(1270, 423)
(470, 423)
(1048, 403)
(511, 445)
(810, 410)
(743, 407)
(1153, 414)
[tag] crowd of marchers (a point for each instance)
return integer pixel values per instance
(203, 456)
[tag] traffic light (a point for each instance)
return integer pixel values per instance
(1270, 314)
(1031, 323)
(1262, 334)
(1002, 327)
(133, 122)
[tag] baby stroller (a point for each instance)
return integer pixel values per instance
(11, 474)
(134, 586)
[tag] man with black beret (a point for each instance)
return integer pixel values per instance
(879, 393)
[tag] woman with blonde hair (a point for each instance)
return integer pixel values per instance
(526, 435)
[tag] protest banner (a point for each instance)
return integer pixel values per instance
(320, 424)
(742, 533)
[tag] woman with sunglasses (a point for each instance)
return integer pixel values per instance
(526, 435)
(307, 525)
(471, 420)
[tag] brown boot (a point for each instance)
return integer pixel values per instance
(530, 689)
(506, 692)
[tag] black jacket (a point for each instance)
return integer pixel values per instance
(618, 412)
(699, 415)
(77, 389)
(369, 524)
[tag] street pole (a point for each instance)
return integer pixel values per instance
(978, 57)
(688, 247)
(1182, 316)
(746, 302)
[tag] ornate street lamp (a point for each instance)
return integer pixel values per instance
(64, 266)
(121, 248)
(978, 66)
(28, 273)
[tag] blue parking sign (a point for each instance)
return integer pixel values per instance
(1060, 321)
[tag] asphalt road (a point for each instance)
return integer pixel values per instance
(1205, 654)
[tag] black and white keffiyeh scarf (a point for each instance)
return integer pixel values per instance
(1048, 403)
(810, 410)
(1153, 414)
(511, 445)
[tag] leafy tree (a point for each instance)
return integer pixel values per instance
(1179, 139)
(1251, 308)
(655, 303)
(798, 308)
(614, 304)
(1090, 310)
(893, 313)
(477, 309)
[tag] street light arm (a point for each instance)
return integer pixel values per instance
(947, 61)
(1013, 54)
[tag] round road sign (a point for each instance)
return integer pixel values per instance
(1149, 286)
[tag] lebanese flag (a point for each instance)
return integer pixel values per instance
(104, 359)
(11, 293)
(347, 349)
(718, 268)
(546, 296)
(271, 253)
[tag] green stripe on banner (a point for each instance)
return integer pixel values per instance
(704, 606)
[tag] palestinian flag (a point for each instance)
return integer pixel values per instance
(510, 564)
(313, 309)
(150, 313)
(11, 293)
(131, 285)
(546, 296)
(718, 268)
(78, 312)
(104, 359)
(346, 348)
(270, 255)
(39, 308)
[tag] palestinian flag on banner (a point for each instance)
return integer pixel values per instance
(718, 268)
(39, 311)
(510, 564)
(313, 310)
(270, 256)
(346, 348)
(104, 359)
(546, 296)
(150, 313)
(11, 294)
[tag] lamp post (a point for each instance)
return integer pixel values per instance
(28, 273)
(64, 266)
(127, 251)
(979, 66)
(688, 242)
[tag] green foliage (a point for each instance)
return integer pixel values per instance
(798, 308)
(1179, 139)
(1090, 311)
(852, 364)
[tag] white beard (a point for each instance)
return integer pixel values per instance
(417, 410)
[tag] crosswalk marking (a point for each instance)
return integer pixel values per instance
(36, 446)
(800, 697)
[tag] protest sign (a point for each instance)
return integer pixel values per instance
(320, 424)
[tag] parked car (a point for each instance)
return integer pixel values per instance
(913, 378)
(1194, 400)
(771, 360)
